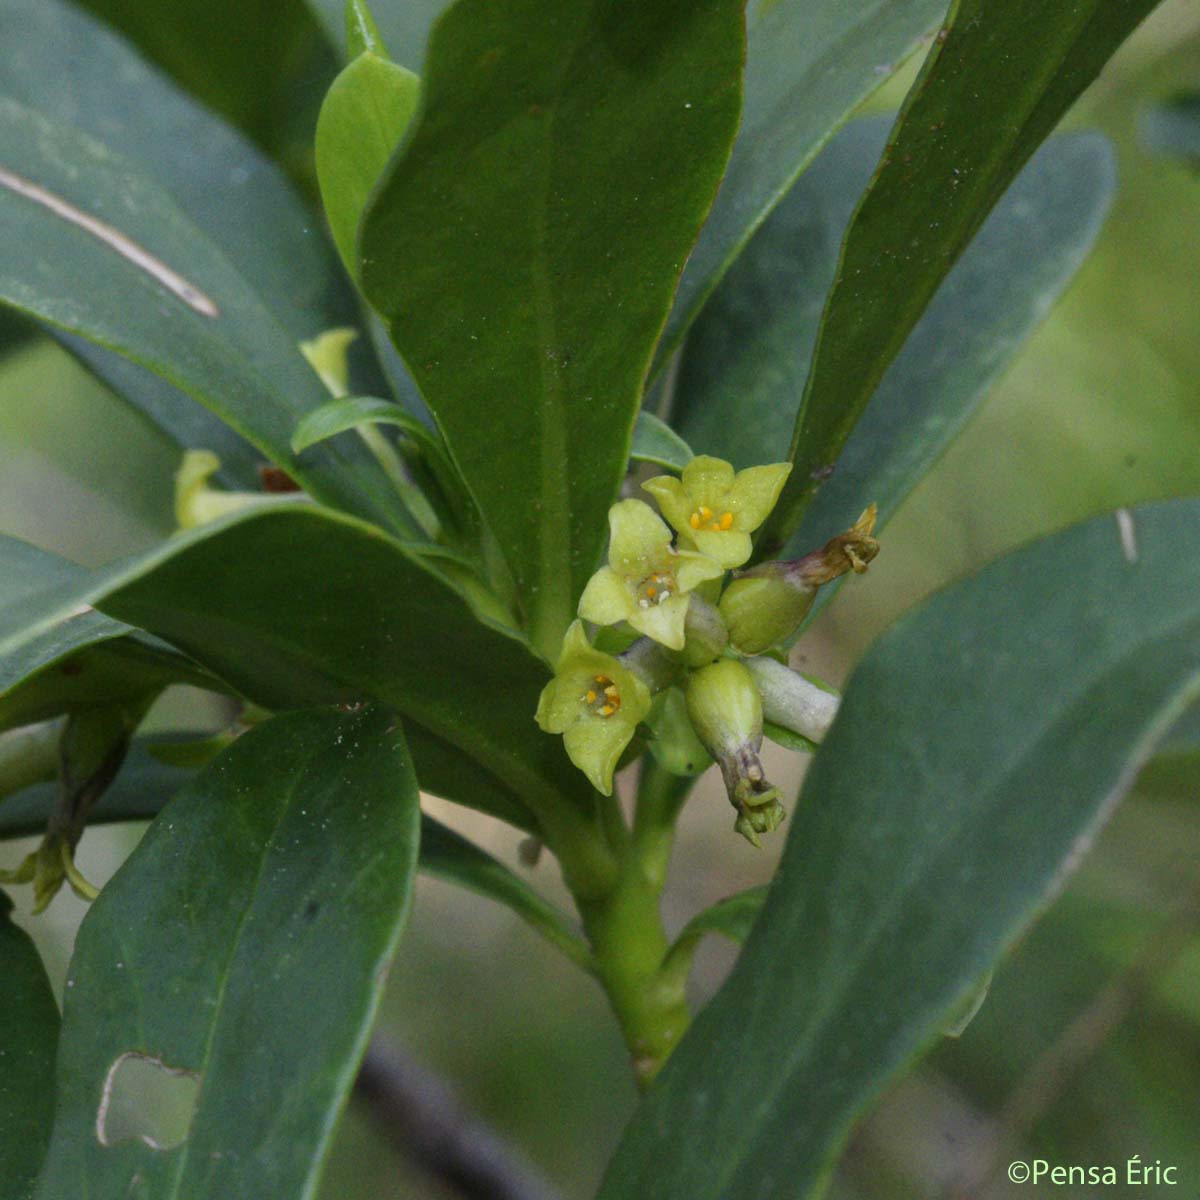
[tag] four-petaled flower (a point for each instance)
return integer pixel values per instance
(646, 581)
(595, 703)
(715, 509)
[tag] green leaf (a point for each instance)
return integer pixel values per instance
(1020, 262)
(747, 356)
(250, 60)
(996, 83)
(448, 856)
(1173, 127)
(654, 441)
(83, 226)
(82, 657)
(349, 412)
(404, 25)
(74, 69)
(1174, 771)
(343, 613)
(732, 917)
(147, 783)
(362, 33)
(526, 243)
(808, 66)
(364, 116)
(789, 738)
(28, 643)
(28, 1039)
(979, 745)
(259, 980)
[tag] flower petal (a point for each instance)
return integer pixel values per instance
(663, 622)
(673, 499)
(558, 706)
(728, 547)
(595, 746)
(607, 598)
(692, 569)
(638, 539)
(707, 479)
(754, 493)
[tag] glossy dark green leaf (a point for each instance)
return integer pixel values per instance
(1174, 771)
(526, 243)
(141, 789)
(28, 641)
(146, 784)
(1173, 127)
(47, 667)
(809, 63)
(72, 68)
(447, 855)
(260, 980)
(746, 359)
(84, 228)
(344, 613)
(996, 83)
(654, 441)
(42, 630)
(363, 117)
(28, 1039)
(250, 60)
(979, 745)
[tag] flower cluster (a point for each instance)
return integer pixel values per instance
(699, 636)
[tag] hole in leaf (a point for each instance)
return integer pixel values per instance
(144, 1100)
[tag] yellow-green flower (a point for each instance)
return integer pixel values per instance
(595, 703)
(647, 582)
(715, 509)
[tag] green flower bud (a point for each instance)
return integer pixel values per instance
(716, 510)
(763, 611)
(327, 354)
(764, 606)
(595, 702)
(705, 635)
(726, 712)
(647, 582)
(196, 503)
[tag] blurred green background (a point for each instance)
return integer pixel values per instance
(1087, 1050)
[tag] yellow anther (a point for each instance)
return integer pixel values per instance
(605, 698)
(706, 520)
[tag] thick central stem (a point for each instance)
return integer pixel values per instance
(629, 945)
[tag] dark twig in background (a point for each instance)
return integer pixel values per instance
(419, 1114)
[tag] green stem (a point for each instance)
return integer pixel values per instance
(389, 459)
(624, 926)
(660, 796)
(629, 945)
